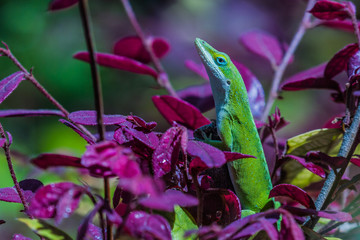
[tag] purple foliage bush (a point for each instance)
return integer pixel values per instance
(167, 183)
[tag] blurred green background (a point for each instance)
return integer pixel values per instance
(46, 41)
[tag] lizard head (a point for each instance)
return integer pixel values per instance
(220, 69)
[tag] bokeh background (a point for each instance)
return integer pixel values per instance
(47, 41)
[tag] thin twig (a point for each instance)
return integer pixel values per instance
(163, 79)
(29, 76)
(84, 13)
(305, 23)
(11, 169)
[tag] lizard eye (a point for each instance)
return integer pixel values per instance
(221, 61)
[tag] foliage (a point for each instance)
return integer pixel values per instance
(166, 184)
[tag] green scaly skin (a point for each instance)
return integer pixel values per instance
(236, 128)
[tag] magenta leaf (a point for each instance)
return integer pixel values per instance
(89, 117)
(86, 223)
(345, 25)
(78, 131)
(334, 122)
(339, 61)
(9, 194)
(199, 69)
(222, 207)
(168, 200)
(94, 232)
(57, 200)
(47, 160)
(140, 185)
(254, 90)
(132, 47)
(198, 95)
(329, 10)
(119, 62)
(167, 151)
(208, 154)
(322, 158)
(143, 225)
(314, 72)
(309, 166)
(311, 83)
(20, 237)
(9, 84)
(30, 113)
(140, 123)
(294, 193)
(176, 110)
(333, 215)
(61, 4)
(150, 139)
(231, 156)
(107, 158)
(2, 142)
(264, 45)
(355, 161)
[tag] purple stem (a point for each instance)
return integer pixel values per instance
(305, 23)
(163, 79)
(11, 169)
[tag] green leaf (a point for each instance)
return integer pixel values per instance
(44, 229)
(183, 222)
(295, 174)
(326, 140)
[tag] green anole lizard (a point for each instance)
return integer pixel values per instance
(236, 129)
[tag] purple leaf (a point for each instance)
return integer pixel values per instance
(9, 84)
(322, 158)
(78, 131)
(294, 193)
(314, 72)
(232, 156)
(208, 154)
(140, 123)
(119, 62)
(150, 139)
(132, 47)
(329, 10)
(198, 95)
(339, 61)
(269, 229)
(89, 117)
(20, 237)
(309, 166)
(147, 226)
(30, 184)
(199, 69)
(30, 113)
(345, 25)
(108, 158)
(333, 215)
(94, 232)
(311, 83)
(167, 201)
(9, 194)
(264, 45)
(167, 151)
(222, 207)
(61, 4)
(176, 110)
(254, 89)
(47, 160)
(57, 200)
(140, 185)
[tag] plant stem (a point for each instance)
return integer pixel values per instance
(305, 22)
(11, 169)
(346, 150)
(200, 196)
(84, 13)
(163, 79)
(29, 76)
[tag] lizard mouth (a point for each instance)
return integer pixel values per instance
(205, 52)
